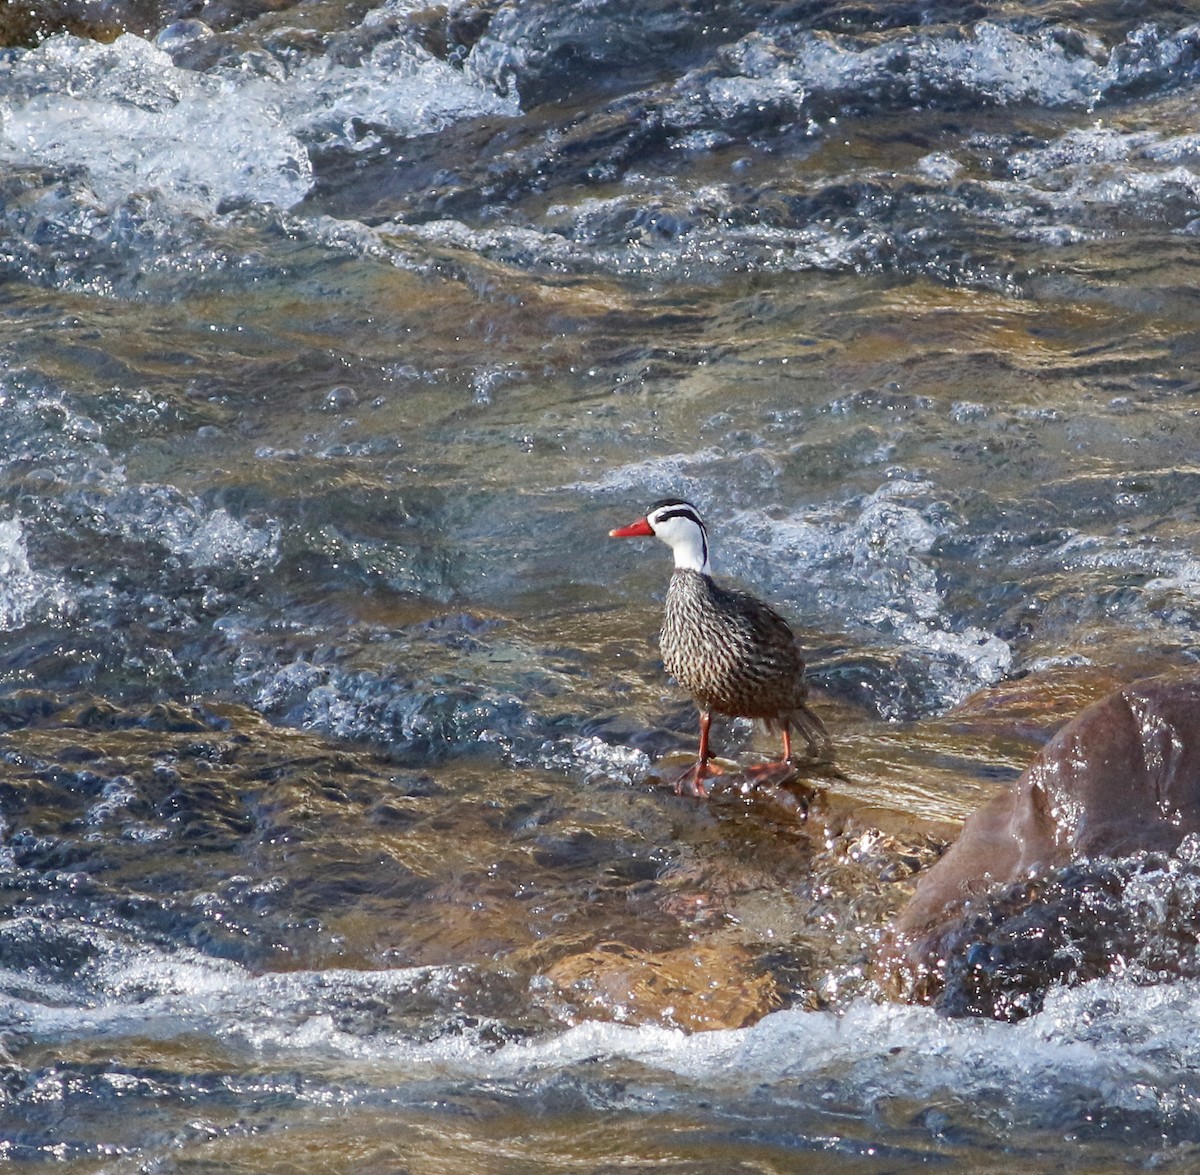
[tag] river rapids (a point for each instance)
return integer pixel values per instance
(336, 336)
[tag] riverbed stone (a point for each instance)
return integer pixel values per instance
(696, 987)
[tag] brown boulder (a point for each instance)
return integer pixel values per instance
(1121, 777)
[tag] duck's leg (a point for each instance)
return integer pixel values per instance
(776, 772)
(820, 751)
(694, 776)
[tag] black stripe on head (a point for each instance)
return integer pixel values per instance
(678, 508)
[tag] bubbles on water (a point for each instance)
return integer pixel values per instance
(990, 62)
(116, 796)
(148, 160)
(288, 682)
(765, 87)
(8, 858)
(1111, 1055)
(648, 235)
(456, 711)
(140, 557)
(674, 474)
(138, 124)
(939, 166)
(217, 538)
(182, 34)
(403, 714)
(142, 144)
(809, 72)
(1135, 918)
(1091, 183)
(487, 379)
(181, 523)
(1176, 571)
(591, 759)
(871, 561)
(1089, 173)
(81, 979)
(397, 86)
(25, 593)
(1143, 578)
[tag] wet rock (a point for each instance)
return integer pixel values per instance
(25, 707)
(1067, 927)
(1019, 901)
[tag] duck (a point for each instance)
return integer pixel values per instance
(731, 651)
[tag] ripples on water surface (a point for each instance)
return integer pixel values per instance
(333, 340)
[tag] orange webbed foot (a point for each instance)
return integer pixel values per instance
(693, 778)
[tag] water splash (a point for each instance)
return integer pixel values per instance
(1131, 1047)
(137, 124)
(873, 559)
(429, 720)
(397, 86)
(591, 759)
(25, 594)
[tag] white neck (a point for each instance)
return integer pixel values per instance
(689, 556)
(686, 541)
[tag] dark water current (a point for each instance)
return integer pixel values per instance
(333, 341)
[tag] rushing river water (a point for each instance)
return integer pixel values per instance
(333, 341)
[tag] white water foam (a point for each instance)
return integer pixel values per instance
(650, 244)
(140, 125)
(24, 592)
(1130, 1048)
(870, 561)
(1169, 569)
(591, 760)
(394, 711)
(140, 989)
(991, 62)
(398, 85)
(675, 473)
(200, 536)
(1068, 190)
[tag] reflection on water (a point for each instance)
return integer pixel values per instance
(333, 341)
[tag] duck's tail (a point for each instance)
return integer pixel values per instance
(808, 722)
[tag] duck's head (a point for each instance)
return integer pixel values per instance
(678, 524)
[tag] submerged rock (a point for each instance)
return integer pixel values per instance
(1028, 895)
(694, 987)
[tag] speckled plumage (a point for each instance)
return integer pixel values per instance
(730, 651)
